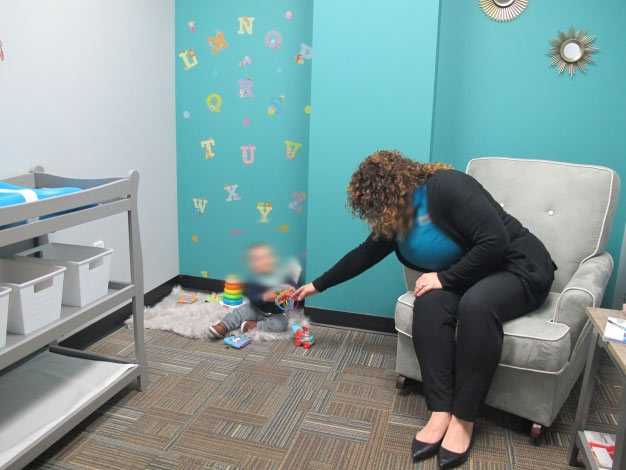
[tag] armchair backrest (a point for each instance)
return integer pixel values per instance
(568, 206)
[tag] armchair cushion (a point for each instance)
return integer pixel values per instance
(533, 341)
(584, 289)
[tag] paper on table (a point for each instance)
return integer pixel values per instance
(615, 330)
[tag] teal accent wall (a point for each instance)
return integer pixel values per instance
(438, 82)
(214, 235)
(496, 94)
(372, 88)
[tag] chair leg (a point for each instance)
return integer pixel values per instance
(536, 431)
(404, 383)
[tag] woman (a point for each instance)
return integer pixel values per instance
(481, 268)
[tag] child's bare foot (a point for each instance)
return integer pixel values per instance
(217, 331)
(248, 325)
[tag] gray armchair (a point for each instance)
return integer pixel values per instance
(570, 208)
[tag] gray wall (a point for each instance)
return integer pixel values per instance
(87, 90)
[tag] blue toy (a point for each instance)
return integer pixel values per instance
(295, 326)
(237, 342)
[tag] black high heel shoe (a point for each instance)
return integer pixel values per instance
(422, 450)
(449, 459)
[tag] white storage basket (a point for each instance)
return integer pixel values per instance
(88, 270)
(36, 291)
(4, 314)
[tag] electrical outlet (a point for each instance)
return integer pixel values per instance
(99, 244)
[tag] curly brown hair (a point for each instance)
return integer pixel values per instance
(381, 189)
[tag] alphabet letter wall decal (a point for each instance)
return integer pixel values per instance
(199, 205)
(306, 51)
(275, 105)
(273, 39)
(189, 59)
(247, 60)
(247, 154)
(291, 148)
(245, 88)
(297, 201)
(232, 195)
(264, 209)
(245, 24)
(207, 145)
(214, 102)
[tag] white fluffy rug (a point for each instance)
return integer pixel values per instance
(193, 320)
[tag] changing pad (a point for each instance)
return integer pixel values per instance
(11, 194)
(41, 393)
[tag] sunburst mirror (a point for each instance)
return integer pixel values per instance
(503, 10)
(572, 51)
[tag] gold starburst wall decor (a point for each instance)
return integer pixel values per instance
(503, 10)
(572, 51)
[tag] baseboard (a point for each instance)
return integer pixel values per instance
(200, 283)
(351, 320)
(102, 328)
(317, 315)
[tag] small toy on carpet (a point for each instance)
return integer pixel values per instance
(212, 297)
(187, 297)
(302, 336)
(237, 342)
(233, 292)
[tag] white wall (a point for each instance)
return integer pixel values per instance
(87, 90)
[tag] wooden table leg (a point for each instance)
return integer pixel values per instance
(585, 397)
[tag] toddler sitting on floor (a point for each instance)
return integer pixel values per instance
(265, 282)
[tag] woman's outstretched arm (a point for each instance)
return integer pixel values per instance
(360, 259)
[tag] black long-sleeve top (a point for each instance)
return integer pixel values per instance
(493, 240)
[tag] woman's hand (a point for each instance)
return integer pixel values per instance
(306, 290)
(425, 283)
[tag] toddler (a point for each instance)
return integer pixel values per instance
(265, 282)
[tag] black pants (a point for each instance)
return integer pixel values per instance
(458, 340)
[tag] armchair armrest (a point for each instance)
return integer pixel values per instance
(584, 289)
(410, 276)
